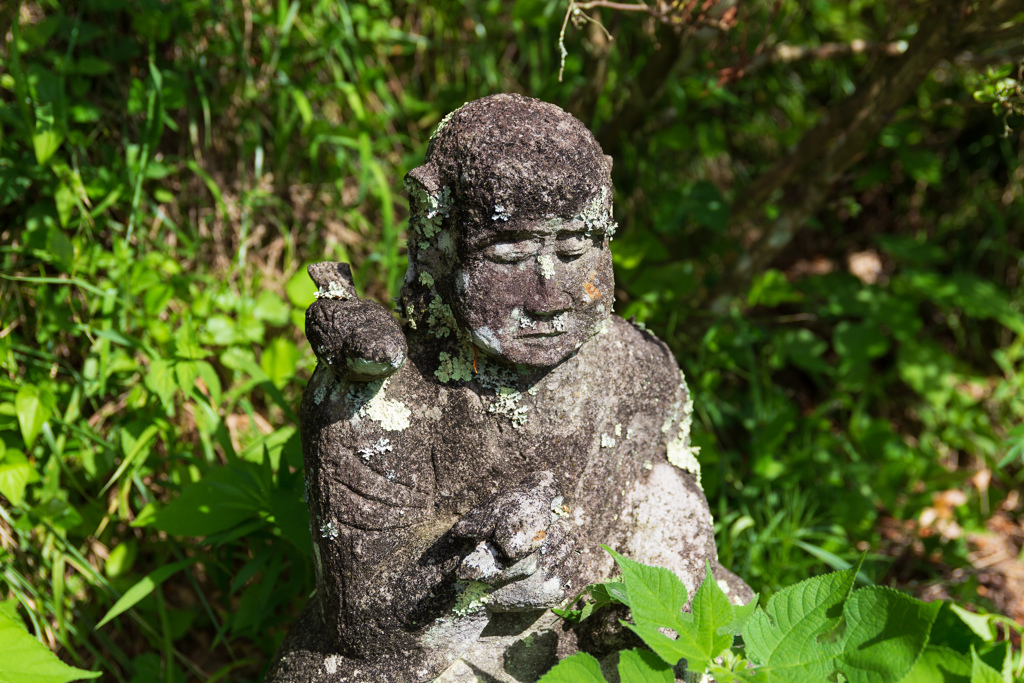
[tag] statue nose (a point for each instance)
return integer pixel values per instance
(549, 297)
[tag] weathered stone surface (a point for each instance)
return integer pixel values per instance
(463, 468)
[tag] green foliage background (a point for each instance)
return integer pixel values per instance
(167, 170)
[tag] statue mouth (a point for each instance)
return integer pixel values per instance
(541, 335)
(542, 330)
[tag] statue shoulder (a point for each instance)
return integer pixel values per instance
(630, 349)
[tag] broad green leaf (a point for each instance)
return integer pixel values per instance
(185, 374)
(886, 631)
(771, 288)
(939, 665)
(10, 608)
(699, 637)
(741, 615)
(186, 345)
(23, 659)
(271, 308)
(656, 595)
(791, 635)
(143, 588)
(857, 341)
(640, 666)
(47, 137)
(580, 668)
(279, 360)
(215, 503)
(300, 289)
(32, 412)
(16, 473)
(160, 380)
(122, 557)
(981, 624)
(982, 672)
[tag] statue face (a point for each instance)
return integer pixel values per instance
(532, 290)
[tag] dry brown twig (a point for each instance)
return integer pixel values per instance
(689, 13)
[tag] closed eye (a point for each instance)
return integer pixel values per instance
(511, 252)
(573, 245)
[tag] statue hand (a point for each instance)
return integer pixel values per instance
(516, 521)
(359, 339)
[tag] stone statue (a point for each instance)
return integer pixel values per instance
(463, 467)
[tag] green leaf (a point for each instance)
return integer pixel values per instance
(161, 381)
(300, 290)
(23, 659)
(185, 373)
(215, 503)
(580, 668)
(134, 449)
(279, 360)
(271, 308)
(641, 666)
(16, 473)
(143, 588)
(741, 615)
(981, 624)
(792, 634)
(859, 341)
(700, 638)
(939, 665)
(886, 631)
(771, 288)
(32, 412)
(46, 138)
(656, 595)
(982, 672)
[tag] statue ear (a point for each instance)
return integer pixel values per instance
(426, 177)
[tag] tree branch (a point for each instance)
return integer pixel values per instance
(800, 182)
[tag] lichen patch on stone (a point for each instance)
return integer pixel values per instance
(472, 597)
(392, 415)
(333, 290)
(547, 266)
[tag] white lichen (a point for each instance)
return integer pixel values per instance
(321, 384)
(500, 214)
(472, 597)
(444, 122)
(547, 266)
(507, 404)
(429, 210)
(382, 446)
(680, 452)
(607, 441)
(445, 243)
(596, 218)
(485, 338)
(333, 290)
(392, 415)
(331, 664)
(329, 530)
(618, 430)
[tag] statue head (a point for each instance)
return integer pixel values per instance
(511, 223)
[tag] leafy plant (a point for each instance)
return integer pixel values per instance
(820, 629)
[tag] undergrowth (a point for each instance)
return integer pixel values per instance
(167, 170)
